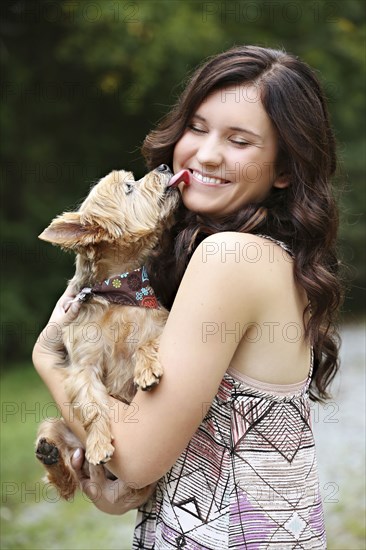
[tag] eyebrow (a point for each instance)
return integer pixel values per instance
(234, 128)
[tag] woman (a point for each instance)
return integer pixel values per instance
(251, 332)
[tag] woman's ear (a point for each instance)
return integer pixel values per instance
(282, 181)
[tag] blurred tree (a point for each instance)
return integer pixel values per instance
(82, 84)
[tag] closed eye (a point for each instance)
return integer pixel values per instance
(199, 130)
(196, 129)
(239, 142)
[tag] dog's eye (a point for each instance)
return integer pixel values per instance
(128, 187)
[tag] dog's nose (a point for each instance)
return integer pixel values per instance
(163, 168)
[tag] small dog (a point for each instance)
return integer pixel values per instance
(112, 347)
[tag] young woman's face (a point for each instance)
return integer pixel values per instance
(230, 149)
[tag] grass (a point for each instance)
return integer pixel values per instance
(32, 516)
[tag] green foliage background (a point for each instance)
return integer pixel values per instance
(82, 84)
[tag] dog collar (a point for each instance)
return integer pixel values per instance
(129, 289)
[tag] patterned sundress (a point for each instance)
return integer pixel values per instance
(248, 478)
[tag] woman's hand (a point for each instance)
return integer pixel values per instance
(49, 348)
(111, 497)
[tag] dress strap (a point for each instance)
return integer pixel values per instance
(308, 382)
(280, 243)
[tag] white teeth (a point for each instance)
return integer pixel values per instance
(206, 179)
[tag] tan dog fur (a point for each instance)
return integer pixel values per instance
(114, 231)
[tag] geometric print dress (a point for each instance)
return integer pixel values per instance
(247, 479)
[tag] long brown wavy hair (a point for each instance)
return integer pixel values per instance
(304, 215)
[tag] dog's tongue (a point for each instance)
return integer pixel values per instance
(183, 175)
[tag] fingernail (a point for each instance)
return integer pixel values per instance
(77, 454)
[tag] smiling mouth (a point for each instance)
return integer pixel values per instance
(208, 180)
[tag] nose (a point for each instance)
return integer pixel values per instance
(163, 168)
(209, 152)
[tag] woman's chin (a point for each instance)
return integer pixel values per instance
(204, 210)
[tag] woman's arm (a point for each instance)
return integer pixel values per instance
(196, 347)
(48, 352)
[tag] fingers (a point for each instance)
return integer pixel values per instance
(77, 462)
(70, 304)
(71, 309)
(70, 291)
(49, 348)
(97, 473)
(89, 485)
(66, 310)
(93, 486)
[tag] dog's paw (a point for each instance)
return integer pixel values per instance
(47, 452)
(148, 378)
(99, 453)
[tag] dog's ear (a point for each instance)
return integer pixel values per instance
(73, 230)
(66, 231)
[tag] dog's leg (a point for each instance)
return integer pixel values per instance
(91, 404)
(148, 369)
(54, 448)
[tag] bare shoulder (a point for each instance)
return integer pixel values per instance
(244, 258)
(239, 268)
